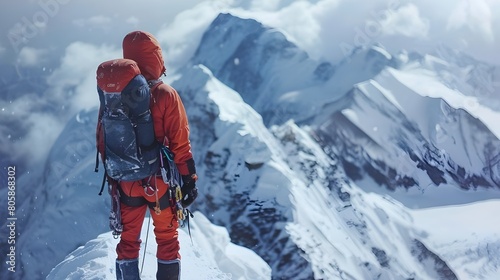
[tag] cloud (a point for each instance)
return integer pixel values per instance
(74, 80)
(134, 21)
(180, 39)
(30, 57)
(291, 20)
(31, 122)
(265, 5)
(99, 21)
(476, 16)
(38, 118)
(318, 26)
(323, 27)
(405, 21)
(36, 144)
(29, 130)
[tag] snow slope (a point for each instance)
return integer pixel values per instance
(469, 244)
(348, 233)
(419, 124)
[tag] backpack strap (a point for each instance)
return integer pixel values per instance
(98, 134)
(96, 169)
(103, 177)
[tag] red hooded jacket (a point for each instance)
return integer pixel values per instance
(169, 116)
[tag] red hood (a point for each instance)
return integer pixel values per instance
(143, 48)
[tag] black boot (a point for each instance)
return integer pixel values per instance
(168, 270)
(127, 269)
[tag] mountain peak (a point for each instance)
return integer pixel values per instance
(258, 62)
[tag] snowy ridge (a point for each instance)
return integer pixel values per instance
(426, 83)
(446, 122)
(247, 182)
(473, 78)
(211, 256)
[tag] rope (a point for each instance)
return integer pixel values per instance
(145, 245)
(157, 207)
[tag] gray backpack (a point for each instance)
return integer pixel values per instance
(125, 132)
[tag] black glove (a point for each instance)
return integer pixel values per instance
(189, 190)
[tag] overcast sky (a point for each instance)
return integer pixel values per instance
(326, 29)
(74, 36)
(71, 37)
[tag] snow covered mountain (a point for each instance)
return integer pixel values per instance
(387, 121)
(383, 166)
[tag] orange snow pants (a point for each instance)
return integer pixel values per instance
(165, 224)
